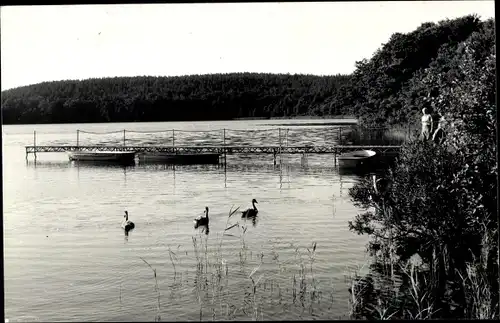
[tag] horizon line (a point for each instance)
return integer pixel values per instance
(174, 76)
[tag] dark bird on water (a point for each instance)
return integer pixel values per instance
(251, 212)
(127, 225)
(202, 220)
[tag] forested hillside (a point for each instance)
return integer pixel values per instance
(386, 89)
(195, 97)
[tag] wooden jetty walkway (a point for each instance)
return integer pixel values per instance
(222, 149)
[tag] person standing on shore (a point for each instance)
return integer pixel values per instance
(427, 125)
(438, 136)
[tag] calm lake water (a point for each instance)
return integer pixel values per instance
(66, 257)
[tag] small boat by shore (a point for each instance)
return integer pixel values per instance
(356, 158)
(124, 157)
(179, 158)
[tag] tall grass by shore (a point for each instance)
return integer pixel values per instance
(370, 136)
(406, 293)
(286, 285)
(407, 289)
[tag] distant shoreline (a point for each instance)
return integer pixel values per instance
(307, 124)
(340, 120)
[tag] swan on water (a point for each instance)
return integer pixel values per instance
(251, 211)
(127, 225)
(201, 220)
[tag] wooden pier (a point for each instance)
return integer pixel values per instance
(222, 148)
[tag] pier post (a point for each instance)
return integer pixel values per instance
(34, 143)
(274, 157)
(224, 144)
(173, 138)
(279, 138)
(225, 176)
(340, 135)
(286, 143)
(77, 138)
(123, 137)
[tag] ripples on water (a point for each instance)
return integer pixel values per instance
(67, 259)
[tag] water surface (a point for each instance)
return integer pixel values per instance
(66, 257)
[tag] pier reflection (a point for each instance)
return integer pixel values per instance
(227, 172)
(48, 164)
(78, 164)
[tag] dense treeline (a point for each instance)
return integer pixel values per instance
(387, 89)
(195, 97)
(439, 203)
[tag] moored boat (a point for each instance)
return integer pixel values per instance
(356, 158)
(103, 156)
(179, 158)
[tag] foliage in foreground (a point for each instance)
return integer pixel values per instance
(441, 205)
(428, 213)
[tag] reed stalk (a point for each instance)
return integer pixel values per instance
(157, 290)
(211, 278)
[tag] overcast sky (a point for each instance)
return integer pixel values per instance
(45, 43)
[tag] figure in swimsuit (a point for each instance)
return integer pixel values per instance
(426, 125)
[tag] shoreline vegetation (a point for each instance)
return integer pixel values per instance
(432, 219)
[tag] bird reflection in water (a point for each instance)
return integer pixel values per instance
(255, 220)
(204, 228)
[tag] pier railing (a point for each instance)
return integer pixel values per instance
(291, 136)
(277, 141)
(174, 137)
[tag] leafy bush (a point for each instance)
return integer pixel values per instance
(442, 203)
(427, 212)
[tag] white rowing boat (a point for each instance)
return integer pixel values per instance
(356, 158)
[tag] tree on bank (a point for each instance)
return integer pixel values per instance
(442, 206)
